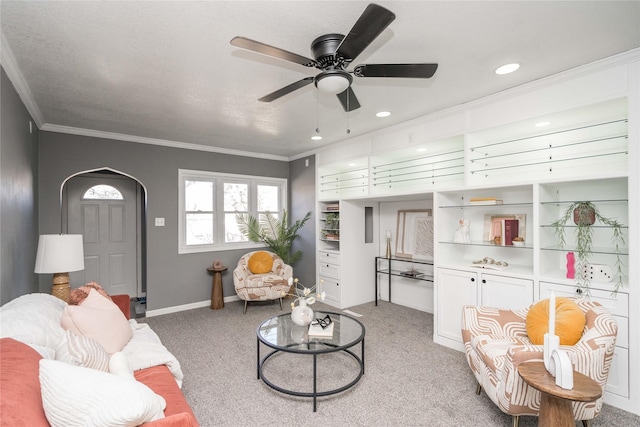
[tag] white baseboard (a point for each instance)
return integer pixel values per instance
(185, 307)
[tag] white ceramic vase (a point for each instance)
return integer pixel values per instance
(302, 314)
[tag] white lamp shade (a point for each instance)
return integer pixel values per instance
(333, 84)
(59, 253)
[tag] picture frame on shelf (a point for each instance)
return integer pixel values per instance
(414, 233)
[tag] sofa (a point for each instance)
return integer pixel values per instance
(50, 375)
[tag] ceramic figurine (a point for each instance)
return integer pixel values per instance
(462, 234)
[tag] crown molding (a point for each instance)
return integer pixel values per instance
(154, 141)
(8, 61)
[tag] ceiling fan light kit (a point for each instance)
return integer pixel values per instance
(333, 81)
(333, 53)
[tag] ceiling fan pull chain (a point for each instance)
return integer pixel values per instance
(317, 112)
(348, 130)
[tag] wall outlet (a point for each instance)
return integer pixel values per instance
(159, 222)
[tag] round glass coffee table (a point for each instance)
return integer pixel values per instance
(281, 335)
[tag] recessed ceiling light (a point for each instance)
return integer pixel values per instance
(541, 124)
(383, 114)
(422, 150)
(507, 68)
(352, 164)
(316, 137)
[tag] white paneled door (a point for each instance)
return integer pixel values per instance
(104, 211)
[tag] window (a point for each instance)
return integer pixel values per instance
(210, 201)
(102, 192)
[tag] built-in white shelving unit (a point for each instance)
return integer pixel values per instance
(537, 150)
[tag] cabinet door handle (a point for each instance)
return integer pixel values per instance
(579, 291)
(484, 281)
(473, 280)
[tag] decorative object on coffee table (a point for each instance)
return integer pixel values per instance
(302, 314)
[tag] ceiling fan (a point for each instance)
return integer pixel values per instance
(333, 53)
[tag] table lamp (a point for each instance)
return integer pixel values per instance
(59, 254)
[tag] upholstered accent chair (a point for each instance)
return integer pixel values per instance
(496, 343)
(261, 285)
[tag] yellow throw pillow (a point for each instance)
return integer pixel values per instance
(569, 326)
(260, 262)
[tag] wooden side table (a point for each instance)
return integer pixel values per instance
(555, 402)
(217, 299)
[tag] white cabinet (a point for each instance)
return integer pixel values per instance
(505, 292)
(618, 306)
(454, 289)
(329, 274)
(457, 288)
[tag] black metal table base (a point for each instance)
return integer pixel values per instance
(315, 393)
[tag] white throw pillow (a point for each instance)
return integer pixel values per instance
(33, 319)
(79, 350)
(98, 318)
(77, 396)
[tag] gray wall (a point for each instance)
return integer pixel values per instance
(18, 196)
(302, 191)
(172, 279)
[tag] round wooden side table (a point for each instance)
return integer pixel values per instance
(555, 402)
(217, 299)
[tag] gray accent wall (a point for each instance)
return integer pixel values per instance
(302, 191)
(18, 196)
(172, 279)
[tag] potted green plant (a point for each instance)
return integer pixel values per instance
(274, 232)
(584, 215)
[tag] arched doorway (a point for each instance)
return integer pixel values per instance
(108, 208)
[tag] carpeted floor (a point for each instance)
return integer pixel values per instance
(408, 381)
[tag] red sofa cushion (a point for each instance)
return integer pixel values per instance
(160, 380)
(21, 402)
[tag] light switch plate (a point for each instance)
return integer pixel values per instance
(598, 272)
(159, 222)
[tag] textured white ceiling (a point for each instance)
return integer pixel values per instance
(165, 71)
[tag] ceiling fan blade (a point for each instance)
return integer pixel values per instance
(275, 52)
(414, 71)
(350, 96)
(285, 90)
(371, 23)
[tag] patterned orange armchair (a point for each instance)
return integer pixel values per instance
(269, 278)
(496, 343)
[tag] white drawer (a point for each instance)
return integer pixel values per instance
(618, 305)
(328, 258)
(330, 270)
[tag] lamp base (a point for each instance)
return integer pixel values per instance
(60, 286)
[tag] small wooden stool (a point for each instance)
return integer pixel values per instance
(217, 298)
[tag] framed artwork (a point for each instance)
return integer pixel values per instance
(493, 225)
(414, 234)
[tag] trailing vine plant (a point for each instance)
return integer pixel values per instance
(587, 212)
